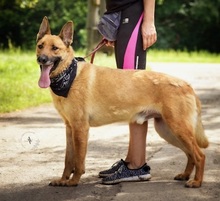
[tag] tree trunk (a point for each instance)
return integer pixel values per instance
(96, 8)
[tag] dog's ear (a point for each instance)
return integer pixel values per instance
(44, 28)
(66, 33)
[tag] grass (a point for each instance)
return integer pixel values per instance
(182, 57)
(19, 74)
(165, 56)
(18, 82)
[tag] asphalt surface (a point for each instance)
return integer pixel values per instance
(32, 149)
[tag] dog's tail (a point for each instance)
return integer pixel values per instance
(201, 138)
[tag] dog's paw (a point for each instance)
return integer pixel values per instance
(59, 182)
(181, 177)
(72, 183)
(193, 184)
(63, 183)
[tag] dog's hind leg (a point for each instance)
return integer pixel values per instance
(188, 170)
(181, 135)
(195, 158)
(202, 142)
(164, 131)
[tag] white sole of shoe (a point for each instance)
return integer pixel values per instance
(146, 177)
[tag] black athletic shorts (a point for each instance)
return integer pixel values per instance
(129, 51)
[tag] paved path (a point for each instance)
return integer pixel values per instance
(32, 147)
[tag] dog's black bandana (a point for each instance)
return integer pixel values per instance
(61, 84)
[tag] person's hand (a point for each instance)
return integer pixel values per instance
(149, 34)
(110, 44)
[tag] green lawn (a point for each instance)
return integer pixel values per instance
(19, 74)
(178, 56)
(18, 82)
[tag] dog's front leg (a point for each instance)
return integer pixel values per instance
(69, 159)
(80, 141)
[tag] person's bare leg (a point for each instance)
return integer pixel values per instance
(137, 145)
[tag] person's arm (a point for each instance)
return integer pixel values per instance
(148, 29)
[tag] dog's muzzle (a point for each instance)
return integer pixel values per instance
(45, 61)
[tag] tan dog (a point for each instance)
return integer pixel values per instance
(100, 95)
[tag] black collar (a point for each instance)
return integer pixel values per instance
(61, 84)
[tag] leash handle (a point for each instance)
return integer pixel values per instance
(92, 54)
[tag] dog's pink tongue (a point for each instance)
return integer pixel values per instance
(44, 80)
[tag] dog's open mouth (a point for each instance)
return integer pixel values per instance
(46, 69)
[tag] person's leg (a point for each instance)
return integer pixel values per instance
(136, 151)
(136, 169)
(130, 55)
(137, 145)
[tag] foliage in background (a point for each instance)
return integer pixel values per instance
(190, 25)
(20, 20)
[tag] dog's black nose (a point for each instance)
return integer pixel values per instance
(42, 59)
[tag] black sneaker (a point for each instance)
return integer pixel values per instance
(126, 174)
(112, 170)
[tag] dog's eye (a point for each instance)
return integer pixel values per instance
(54, 47)
(40, 46)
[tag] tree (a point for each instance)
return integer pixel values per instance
(20, 20)
(181, 25)
(188, 24)
(58, 13)
(96, 8)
